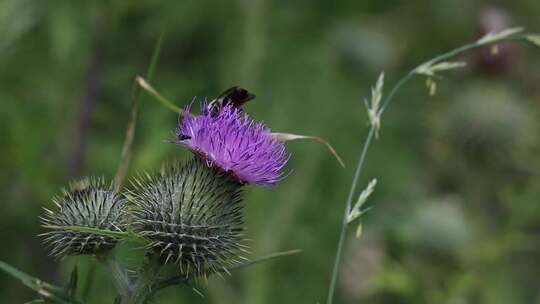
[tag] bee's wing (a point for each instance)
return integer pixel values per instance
(236, 96)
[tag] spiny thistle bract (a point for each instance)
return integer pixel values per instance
(230, 140)
(88, 203)
(192, 217)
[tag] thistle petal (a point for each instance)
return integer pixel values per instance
(231, 141)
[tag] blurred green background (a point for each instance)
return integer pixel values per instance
(457, 214)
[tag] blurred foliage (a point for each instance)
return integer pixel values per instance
(457, 218)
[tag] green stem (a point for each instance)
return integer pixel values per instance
(442, 57)
(369, 139)
(120, 278)
(89, 281)
(337, 261)
(144, 290)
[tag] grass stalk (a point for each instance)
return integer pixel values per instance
(517, 36)
(125, 157)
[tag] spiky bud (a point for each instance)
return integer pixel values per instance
(192, 217)
(88, 203)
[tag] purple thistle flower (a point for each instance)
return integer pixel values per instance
(230, 140)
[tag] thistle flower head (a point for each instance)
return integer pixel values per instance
(88, 203)
(191, 216)
(230, 140)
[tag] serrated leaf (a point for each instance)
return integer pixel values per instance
(289, 136)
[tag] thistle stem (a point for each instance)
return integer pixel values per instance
(369, 139)
(120, 278)
(89, 281)
(144, 288)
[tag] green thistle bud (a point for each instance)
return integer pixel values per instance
(89, 204)
(192, 217)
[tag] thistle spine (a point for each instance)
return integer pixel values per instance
(88, 203)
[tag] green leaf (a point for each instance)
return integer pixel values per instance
(164, 101)
(265, 258)
(118, 300)
(534, 39)
(48, 291)
(184, 279)
(89, 280)
(284, 137)
(71, 288)
(104, 232)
